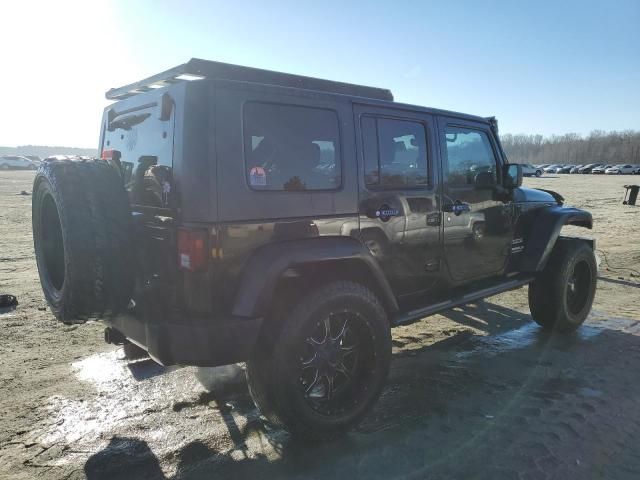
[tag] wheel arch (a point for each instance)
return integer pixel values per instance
(545, 232)
(304, 263)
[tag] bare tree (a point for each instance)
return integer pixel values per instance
(571, 148)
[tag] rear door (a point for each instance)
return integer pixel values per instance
(477, 228)
(399, 212)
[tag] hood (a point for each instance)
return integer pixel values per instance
(523, 195)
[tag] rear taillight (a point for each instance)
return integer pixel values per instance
(110, 155)
(192, 249)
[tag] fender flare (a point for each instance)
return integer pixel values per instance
(545, 232)
(266, 265)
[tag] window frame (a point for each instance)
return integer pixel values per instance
(445, 166)
(338, 147)
(425, 126)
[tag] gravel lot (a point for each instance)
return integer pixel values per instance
(478, 392)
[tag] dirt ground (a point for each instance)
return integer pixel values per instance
(478, 392)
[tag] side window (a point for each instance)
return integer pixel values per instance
(291, 148)
(395, 152)
(469, 152)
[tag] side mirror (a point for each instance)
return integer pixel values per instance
(512, 175)
(485, 181)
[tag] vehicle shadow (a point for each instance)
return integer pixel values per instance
(618, 282)
(445, 413)
(487, 317)
(123, 457)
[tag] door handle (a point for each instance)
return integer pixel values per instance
(456, 207)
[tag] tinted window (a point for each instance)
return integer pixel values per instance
(395, 152)
(469, 152)
(291, 148)
(145, 143)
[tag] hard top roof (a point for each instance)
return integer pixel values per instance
(197, 69)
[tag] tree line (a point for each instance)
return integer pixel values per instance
(44, 151)
(571, 148)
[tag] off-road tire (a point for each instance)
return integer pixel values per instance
(82, 238)
(272, 378)
(550, 300)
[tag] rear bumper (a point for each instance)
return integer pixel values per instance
(206, 342)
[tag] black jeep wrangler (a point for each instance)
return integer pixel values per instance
(244, 215)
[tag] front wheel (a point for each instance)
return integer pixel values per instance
(561, 297)
(317, 372)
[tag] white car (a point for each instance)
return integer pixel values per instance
(9, 162)
(529, 170)
(621, 170)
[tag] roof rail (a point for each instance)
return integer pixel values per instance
(196, 69)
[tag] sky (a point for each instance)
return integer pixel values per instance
(548, 67)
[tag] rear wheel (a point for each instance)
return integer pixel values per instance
(4, 166)
(325, 365)
(538, 173)
(561, 297)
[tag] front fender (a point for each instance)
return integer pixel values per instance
(265, 267)
(545, 232)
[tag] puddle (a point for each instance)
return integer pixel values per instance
(124, 393)
(109, 370)
(527, 336)
(137, 396)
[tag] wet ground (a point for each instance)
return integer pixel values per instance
(479, 392)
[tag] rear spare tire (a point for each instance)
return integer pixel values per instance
(82, 232)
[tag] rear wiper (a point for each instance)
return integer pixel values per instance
(125, 123)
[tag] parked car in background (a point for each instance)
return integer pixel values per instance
(621, 170)
(529, 170)
(35, 159)
(565, 169)
(552, 168)
(576, 169)
(600, 170)
(588, 168)
(15, 162)
(543, 166)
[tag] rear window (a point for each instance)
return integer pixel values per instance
(145, 143)
(291, 148)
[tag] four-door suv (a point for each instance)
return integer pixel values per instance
(242, 215)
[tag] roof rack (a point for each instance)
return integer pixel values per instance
(196, 69)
